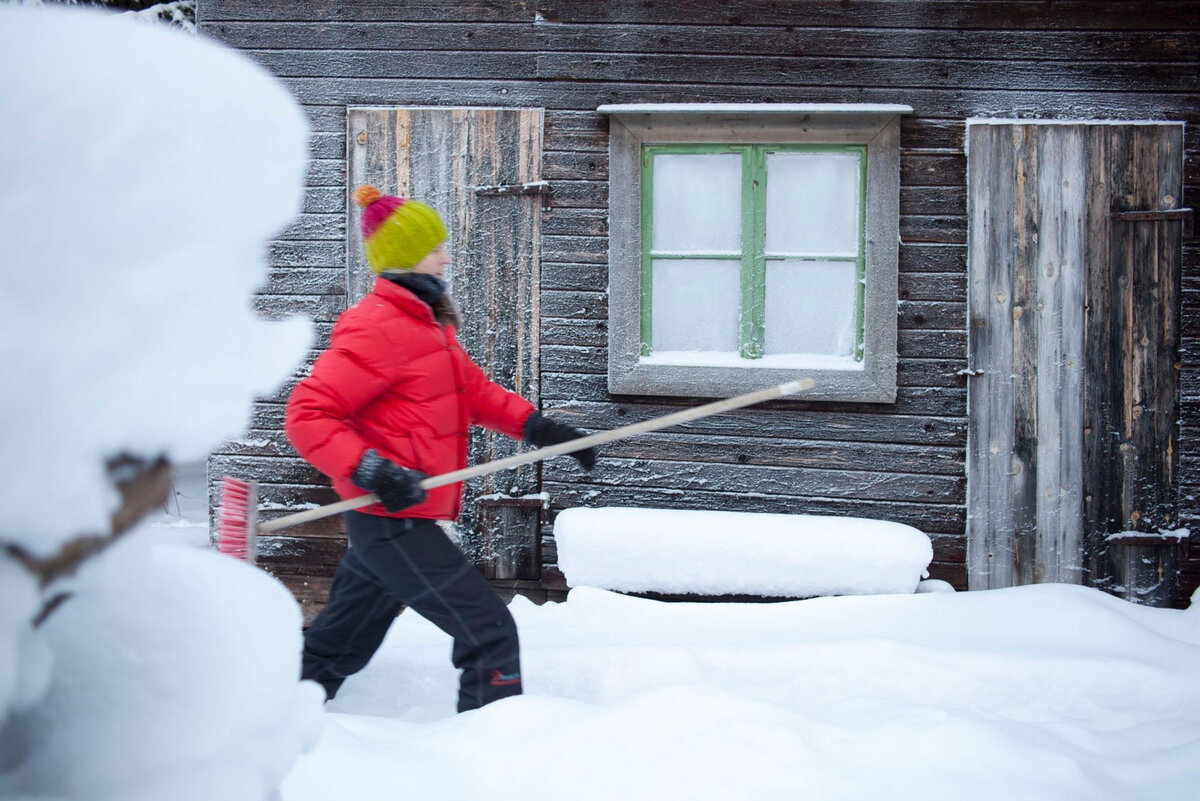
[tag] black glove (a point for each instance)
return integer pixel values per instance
(542, 431)
(397, 487)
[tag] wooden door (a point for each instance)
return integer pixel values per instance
(475, 166)
(1074, 342)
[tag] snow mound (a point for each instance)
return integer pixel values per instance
(1042, 692)
(144, 168)
(155, 695)
(738, 553)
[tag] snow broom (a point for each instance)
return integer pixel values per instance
(237, 521)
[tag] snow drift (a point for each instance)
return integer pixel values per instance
(144, 170)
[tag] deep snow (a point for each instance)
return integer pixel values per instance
(1042, 692)
(133, 218)
(170, 673)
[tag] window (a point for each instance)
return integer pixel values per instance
(753, 244)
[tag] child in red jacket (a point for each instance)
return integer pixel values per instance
(386, 405)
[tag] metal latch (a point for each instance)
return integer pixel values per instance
(532, 188)
(1184, 215)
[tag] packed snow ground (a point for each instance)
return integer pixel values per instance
(1042, 692)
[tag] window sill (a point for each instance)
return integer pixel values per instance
(867, 384)
(799, 362)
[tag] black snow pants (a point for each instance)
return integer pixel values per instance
(396, 561)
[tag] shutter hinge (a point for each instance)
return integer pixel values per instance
(1186, 216)
(532, 188)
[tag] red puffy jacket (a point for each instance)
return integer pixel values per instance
(395, 380)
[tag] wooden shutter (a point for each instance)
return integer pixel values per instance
(443, 156)
(1074, 332)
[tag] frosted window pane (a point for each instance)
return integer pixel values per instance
(696, 304)
(697, 202)
(812, 202)
(811, 307)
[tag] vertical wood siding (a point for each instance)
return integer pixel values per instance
(1074, 336)
(441, 156)
(950, 61)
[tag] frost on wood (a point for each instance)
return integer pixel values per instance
(738, 553)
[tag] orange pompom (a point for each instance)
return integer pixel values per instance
(365, 195)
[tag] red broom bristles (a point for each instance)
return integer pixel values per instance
(233, 517)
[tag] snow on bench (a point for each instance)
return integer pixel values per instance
(689, 552)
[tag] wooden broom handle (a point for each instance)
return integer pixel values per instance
(516, 460)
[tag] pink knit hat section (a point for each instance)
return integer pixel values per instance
(374, 215)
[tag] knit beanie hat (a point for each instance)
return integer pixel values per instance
(397, 232)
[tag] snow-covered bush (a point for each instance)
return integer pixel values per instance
(133, 220)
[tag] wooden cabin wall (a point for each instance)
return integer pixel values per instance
(1101, 60)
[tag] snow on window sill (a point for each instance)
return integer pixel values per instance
(787, 361)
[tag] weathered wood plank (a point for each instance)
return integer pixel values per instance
(285, 253)
(574, 277)
(267, 470)
(326, 118)
(365, 11)
(932, 133)
(932, 44)
(919, 14)
(813, 454)
(933, 287)
(574, 305)
(767, 70)
(991, 197)
(933, 228)
(575, 166)
(257, 442)
(934, 200)
(324, 200)
(933, 344)
(315, 226)
(933, 169)
(940, 518)
(1132, 397)
(306, 281)
(1023, 280)
(932, 314)
(568, 96)
(810, 422)
(396, 63)
(1060, 270)
(576, 222)
(327, 145)
(565, 331)
(932, 258)
(288, 554)
(579, 194)
(326, 172)
(316, 307)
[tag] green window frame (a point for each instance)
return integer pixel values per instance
(848, 345)
(753, 257)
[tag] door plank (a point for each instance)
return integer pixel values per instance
(440, 156)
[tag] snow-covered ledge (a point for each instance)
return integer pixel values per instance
(870, 377)
(696, 552)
